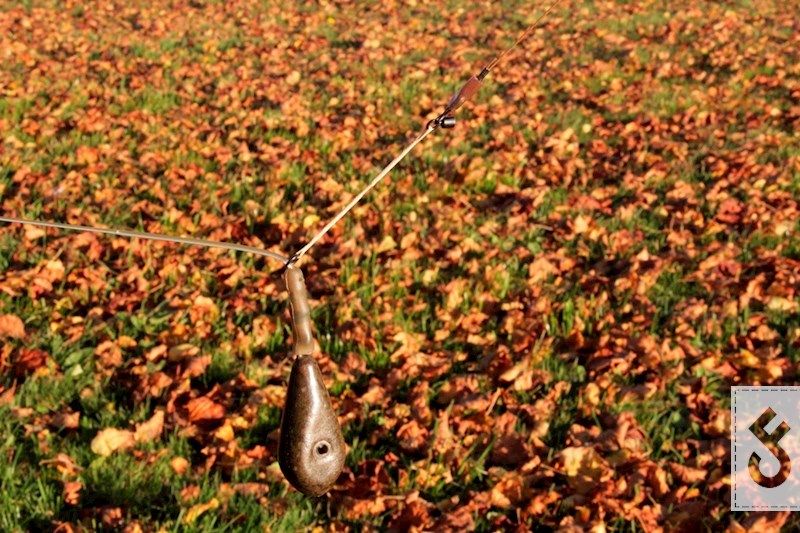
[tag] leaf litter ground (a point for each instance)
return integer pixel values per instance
(535, 325)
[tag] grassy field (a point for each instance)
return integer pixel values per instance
(534, 324)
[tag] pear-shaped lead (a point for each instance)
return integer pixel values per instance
(311, 450)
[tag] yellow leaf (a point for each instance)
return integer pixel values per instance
(780, 304)
(782, 228)
(150, 430)
(310, 220)
(109, 440)
(53, 270)
(581, 224)
(330, 185)
(32, 233)
(196, 510)
(429, 276)
(206, 307)
(225, 432)
(126, 342)
(407, 240)
(386, 244)
(182, 352)
(592, 394)
(293, 78)
(540, 269)
(747, 359)
(508, 491)
(583, 467)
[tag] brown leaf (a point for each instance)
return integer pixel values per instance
(197, 366)
(255, 490)
(687, 474)
(510, 450)
(7, 394)
(730, 211)
(414, 514)
(67, 420)
(29, 360)
(412, 435)
(657, 479)
(583, 467)
(111, 517)
(360, 508)
(11, 326)
(109, 354)
(189, 493)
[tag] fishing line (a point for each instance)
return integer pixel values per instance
(151, 237)
(497, 60)
(346, 209)
(444, 120)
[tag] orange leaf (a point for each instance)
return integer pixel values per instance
(179, 465)
(11, 326)
(204, 409)
(64, 464)
(72, 492)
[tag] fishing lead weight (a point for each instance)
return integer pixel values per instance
(311, 450)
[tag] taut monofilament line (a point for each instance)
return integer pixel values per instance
(132, 234)
(446, 119)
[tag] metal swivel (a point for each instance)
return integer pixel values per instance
(447, 122)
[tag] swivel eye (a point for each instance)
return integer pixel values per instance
(443, 121)
(447, 122)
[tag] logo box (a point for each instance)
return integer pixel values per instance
(765, 448)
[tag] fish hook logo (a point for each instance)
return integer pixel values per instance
(772, 442)
(765, 448)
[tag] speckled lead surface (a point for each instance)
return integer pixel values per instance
(311, 450)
